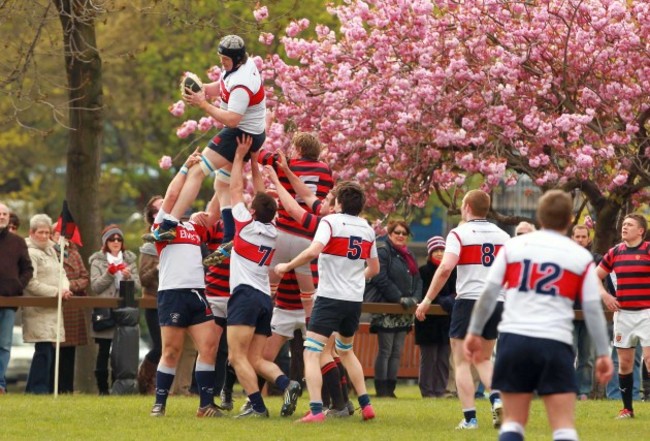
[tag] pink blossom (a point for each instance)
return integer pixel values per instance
(214, 73)
(205, 124)
(619, 179)
(165, 162)
(293, 29)
(266, 38)
(187, 128)
(178, 108)
(261, 13)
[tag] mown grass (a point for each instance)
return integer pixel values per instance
(409, 418)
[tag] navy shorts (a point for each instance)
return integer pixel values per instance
(225, 142)
(183, 307)
(461, 315)
(250, 307)
(528, 364)
(332, 315)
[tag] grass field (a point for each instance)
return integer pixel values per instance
(409, 418)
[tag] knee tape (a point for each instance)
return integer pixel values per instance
(307, 296)
(206, 166)
(340, 346)
(313, 345)
(223, 175)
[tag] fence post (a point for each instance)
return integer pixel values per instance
(127, 293)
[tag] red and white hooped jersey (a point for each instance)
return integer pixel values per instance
(252, 251)
(543, 272)
(242, 92)
(180, 260)
(349, 241)
(476, 243)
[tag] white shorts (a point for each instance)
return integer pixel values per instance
(284, 322)
(288, 246)
(632, 327)
(219, 306)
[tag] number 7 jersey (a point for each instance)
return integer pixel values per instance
(252, 251)
(348, 241)
(476, 243)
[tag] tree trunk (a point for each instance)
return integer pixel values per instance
(606, 233)
(84, 71)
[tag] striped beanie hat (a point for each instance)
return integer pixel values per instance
(435, 243)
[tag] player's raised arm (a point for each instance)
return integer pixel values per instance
(288, 202)
(237, 182)
(301, 189)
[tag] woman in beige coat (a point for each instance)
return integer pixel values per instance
(39, 324)
(108, 268)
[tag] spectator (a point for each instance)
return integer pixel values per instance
(432, 334)
(39, 323)
(398, 281)
(108, 267)
(629, 261)
(148, 272)
(15, 272)
(74, 318)
(14, 223)
(582, 344)
(524, 227)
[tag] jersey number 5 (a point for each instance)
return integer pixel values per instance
(354, 247)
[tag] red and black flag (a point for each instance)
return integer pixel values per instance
(67, 226)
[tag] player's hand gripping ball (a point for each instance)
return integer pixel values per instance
(190, 82)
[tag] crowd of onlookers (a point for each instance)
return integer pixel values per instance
(31, 267)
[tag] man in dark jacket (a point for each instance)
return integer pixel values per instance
(15, 272)
(432, 333)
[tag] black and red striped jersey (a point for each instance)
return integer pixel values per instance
(217, 277)
(315, 174)
(288, 293)
(632, 269)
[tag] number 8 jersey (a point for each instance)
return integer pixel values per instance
(252, 251)
(349, 241)
(476, 243)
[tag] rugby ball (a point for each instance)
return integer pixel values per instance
(192, 82)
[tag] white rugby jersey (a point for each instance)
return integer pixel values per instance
(476, 243)
(180, 259)
(543, 272)
(349, 241)
(242, 92)
(252, 251)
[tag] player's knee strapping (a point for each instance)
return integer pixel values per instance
(206, 166)
(223, 175)
(340, 346)
(313, 345)
(307, 296)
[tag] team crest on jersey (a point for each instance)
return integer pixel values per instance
(175, 317)
(619, 338)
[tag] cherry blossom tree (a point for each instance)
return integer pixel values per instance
(414, 97)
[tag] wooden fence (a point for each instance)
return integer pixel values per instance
(365, 344)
